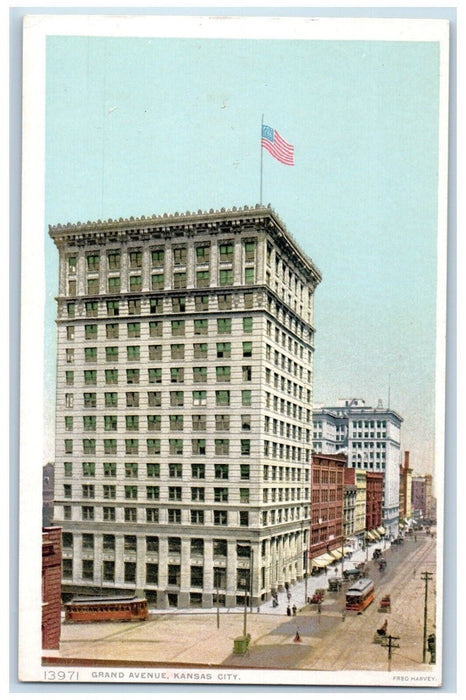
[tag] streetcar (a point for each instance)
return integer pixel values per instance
(106, 609)
(360, 595)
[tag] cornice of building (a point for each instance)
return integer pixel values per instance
(185, 224)
(344, 412)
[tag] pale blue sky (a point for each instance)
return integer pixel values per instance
(147, 126)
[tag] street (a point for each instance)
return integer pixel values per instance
(327, 640)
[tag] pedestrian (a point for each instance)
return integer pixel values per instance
(294, 610)
(343, 614)
(288, 611)
(288, 595)
(336, 571)
(319, 607)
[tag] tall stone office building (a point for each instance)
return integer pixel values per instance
(184, 406)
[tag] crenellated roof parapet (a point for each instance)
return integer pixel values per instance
(165, 226)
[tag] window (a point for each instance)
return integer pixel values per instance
(109, 492)
(90, 400)
(201, 303)
(224, 325)
(152, 574)
(152, 493)
(68, 467)
(178, 328)
(154, 423)
(130, 572)
(155, 329)
(247, 349)
(176, 422)
(89, 423)
(111, 376)
(221, 471)
(179, 280)
(197, 576)
(67, 490)
(110, 423)
(111, 330)
(225, 277)
(88, 569)
(244, 518)
(200, 351)
(202, 278)
(90, 376)
(158, 281)
(71, 309)
(113, 258)
(131, 491)
(72, 264)
(135, 283)
(132, 446)
(158, 257)
(221, 495)
(69, 422)
(108, 513)
(175, 471)
(114, 285)
(199, 398)
(154, 398)
(132, 399)
(174, 516)
(175, 446)
(69, 355)
(202, 254)
(249, 275)
(130, 515)
(93, 285)
(88, 468)
(173, 575)
(245, 422)
(72, 288)
(87, 512)
(249, 250)
(179, 256)
(198, 471)
(155, 375)
(134, 306)
(134, 330)
(246, 397)
(200, 326)
(223, 374)
(199, 422)
(113, 308)
(89, 446)
(70, 332)
(66, 512)
(132, 422)
(197, 493)
(220, 517)
(156, 306)
(200, 374)
(222, 422)
(226, 252)
(224, 301)
(93, 262)
(69, 378)
(222, 397)
(247, 373)
(110, 446)
(247, 324)
(244, 495)
(153, 470)
(224, 350)
(153, 446)
(245, 471)
(92, 308)
(132, 376)
(111, 354)
(222, 446)
(245, 447)
(177, 375)
(177, 352)
(132, 353)
(179, 304)
(135, 259)
(176, 398)
(198, 446)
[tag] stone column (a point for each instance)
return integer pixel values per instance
(119, 563)
(261, 257)
(81, 272)
(214, 264)
(124, 268)
(230, 597)
(190, 265)
(103, 269)
(141, 563)
(162, 599)
(146, 268)
(237, 261)
(185, 573)
(207, 595)
(168, 267)
(63, 271)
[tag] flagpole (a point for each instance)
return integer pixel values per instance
(262, 156)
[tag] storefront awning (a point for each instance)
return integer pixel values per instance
(375, 535)
(370, 536)
(381, 530)
(319, 562)
(336, 554)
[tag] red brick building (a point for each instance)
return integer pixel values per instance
(51, 587)
(374, 500)
(327, 476)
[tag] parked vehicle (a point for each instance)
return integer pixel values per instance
(318, 596)
(335, 584)
(352, 574)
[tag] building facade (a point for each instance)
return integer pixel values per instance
(405, 490)
(51, 587)
(358, 477)
(184, 405)
(371, 439)
(374, 502)
(327, 506)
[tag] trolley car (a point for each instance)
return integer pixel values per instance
(118, 608)
(360, 595)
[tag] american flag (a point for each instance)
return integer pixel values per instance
(277, 146)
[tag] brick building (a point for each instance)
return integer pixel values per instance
(51, 587)
(327, 476)
(374, 504)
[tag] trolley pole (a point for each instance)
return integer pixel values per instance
(390, 645)
(426, 577)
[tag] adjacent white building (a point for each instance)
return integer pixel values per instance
(370, 437)
(184, 405)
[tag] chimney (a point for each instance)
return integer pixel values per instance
(407, 459)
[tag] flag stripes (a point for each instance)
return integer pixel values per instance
(277, 146)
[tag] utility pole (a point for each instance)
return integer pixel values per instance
(426, 577)
(390, 645)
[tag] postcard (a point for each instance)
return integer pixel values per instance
(233, 317)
